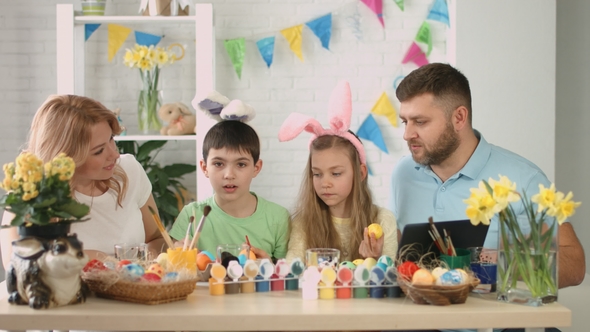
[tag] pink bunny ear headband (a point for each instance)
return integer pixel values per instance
(339, 113)
(220, 108)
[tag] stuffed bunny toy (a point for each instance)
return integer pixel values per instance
(180, 120)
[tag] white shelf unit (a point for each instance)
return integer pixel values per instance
(70, 65)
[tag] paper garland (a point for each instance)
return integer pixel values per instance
(266, 47)
(370, 131)
(146, 39)
(293, 36)
(322, 28)
(89, 29)
(384, 107)
(117, 36)
(439, 12)
(236, 49)
(377, 7)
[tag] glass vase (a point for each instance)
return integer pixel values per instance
(148, 104)
(527, 264)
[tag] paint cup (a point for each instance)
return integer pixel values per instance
(229, 252)
(179, 259)
(484, 264)
(131, 251)
(461, 261)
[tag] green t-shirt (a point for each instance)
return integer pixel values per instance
(267, 228)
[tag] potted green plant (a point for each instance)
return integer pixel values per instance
(166, 185)
(39, 195)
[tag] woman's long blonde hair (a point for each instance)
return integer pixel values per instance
(63, 124)
(314, 214)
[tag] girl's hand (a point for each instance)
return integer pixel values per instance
(259, 253)
(371, 247)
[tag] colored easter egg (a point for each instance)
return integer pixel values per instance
(162, 260)
(170, 277)
(252, 254)
(370, 262)
(407, 269)
(376, 230)
(211, 256)
(132, 271)
(94, 265)
(358, 262)
(464, 275)
(202, 261)
(385, 260)
(122, 263)
(348, 264)
(155, 269)
(438, 271)
(151, 277)
(382, 266)
(422, 277)
(450, 278)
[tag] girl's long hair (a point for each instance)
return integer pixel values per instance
(314, 214)
(63, 124)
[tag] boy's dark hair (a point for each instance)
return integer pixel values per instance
(234, 136)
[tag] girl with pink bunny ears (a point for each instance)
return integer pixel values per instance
(335, 207)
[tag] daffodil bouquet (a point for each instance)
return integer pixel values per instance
(40, 193)
(149, 61)
(527, 251)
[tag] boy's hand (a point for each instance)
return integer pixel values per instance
(259, 252)
(371, 247)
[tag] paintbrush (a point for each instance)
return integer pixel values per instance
(437, 235)
(206, 211)
(188, 233)
(161, 228)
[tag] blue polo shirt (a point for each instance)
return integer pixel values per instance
(418, 193)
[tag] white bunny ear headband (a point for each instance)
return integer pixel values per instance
(220, 108)
(339, 113)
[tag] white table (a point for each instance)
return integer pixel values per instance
(280, 311)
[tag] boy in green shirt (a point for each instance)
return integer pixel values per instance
(231, 152)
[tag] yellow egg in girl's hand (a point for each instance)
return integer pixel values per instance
(375, 229)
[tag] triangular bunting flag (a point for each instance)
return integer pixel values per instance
(424, 36)
(236, 49)
(322, 28)
(377, 7)
(439, 12)
(117, 36)
(146, 39)
(370, 131)
(266, 47)
(384, 107)
(293, 36)
(415, 55)
(400, 4)
(89, 29)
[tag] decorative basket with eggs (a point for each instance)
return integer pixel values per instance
(142, 282)
(438, 287)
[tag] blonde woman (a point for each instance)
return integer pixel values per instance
(115, 186)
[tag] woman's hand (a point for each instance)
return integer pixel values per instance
(371, 247)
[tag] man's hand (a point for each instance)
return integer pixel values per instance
(371, 247)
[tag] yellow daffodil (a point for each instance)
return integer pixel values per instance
(504, 192)
(481, 206)
(546, 198)
(564, 207)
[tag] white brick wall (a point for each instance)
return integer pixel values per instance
(370, 63)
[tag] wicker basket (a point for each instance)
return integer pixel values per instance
(437, 295)
(141, 292)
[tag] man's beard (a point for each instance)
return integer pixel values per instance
(446, 144)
